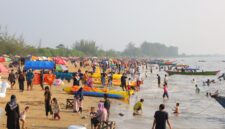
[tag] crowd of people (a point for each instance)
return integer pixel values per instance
(130, 69)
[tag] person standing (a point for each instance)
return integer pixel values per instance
(29, 77)
(165, 79)
(159, 80)
(110, 79)
(78, 101)
(197, 90)
(107, 105)
(12, 113)
(76, 80)
(12, 79)
(47, 95)
(161, 118)
(103, 78)
(21, 80)
(42, 79)
(123, 82)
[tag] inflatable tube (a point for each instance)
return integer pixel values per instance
(96, 92)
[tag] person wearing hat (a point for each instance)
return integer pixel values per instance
(12, 113)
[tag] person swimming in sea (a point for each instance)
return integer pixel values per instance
(176, 110)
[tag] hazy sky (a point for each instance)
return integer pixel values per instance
(195, 26)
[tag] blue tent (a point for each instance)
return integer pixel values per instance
(34, 65)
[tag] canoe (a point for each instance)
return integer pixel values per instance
(204, 73)
(221, 100)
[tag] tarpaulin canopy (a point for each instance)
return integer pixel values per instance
(3, 69)
(62, 76)
(4, 59)
(39, 65)
(59, 60)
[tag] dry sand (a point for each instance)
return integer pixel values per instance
(36, 118)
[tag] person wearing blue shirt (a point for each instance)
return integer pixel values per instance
(29, 78)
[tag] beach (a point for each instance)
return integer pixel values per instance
(197, 110)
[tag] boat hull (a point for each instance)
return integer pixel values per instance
(205, 73)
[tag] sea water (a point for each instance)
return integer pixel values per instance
(197, 110)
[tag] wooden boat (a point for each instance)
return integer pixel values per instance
(220, 100)
(204, 73)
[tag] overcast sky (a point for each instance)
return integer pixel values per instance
(195, 26)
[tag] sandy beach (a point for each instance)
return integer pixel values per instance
(36, 118)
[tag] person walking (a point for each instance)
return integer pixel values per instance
(21, 80)
(13, 113)
(12, 79)
(161, 117)
(29, 77)
(165, 89)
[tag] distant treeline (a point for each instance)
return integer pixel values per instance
(12, 45)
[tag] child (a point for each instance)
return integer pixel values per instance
(94, 121)
(176, 111)
(165, 89)
(23, 116)
(55, 108)
(138, 107)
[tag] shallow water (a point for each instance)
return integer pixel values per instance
(197, 110)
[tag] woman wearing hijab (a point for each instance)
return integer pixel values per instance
(12, 113)
(78, 99)
(101, 113)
